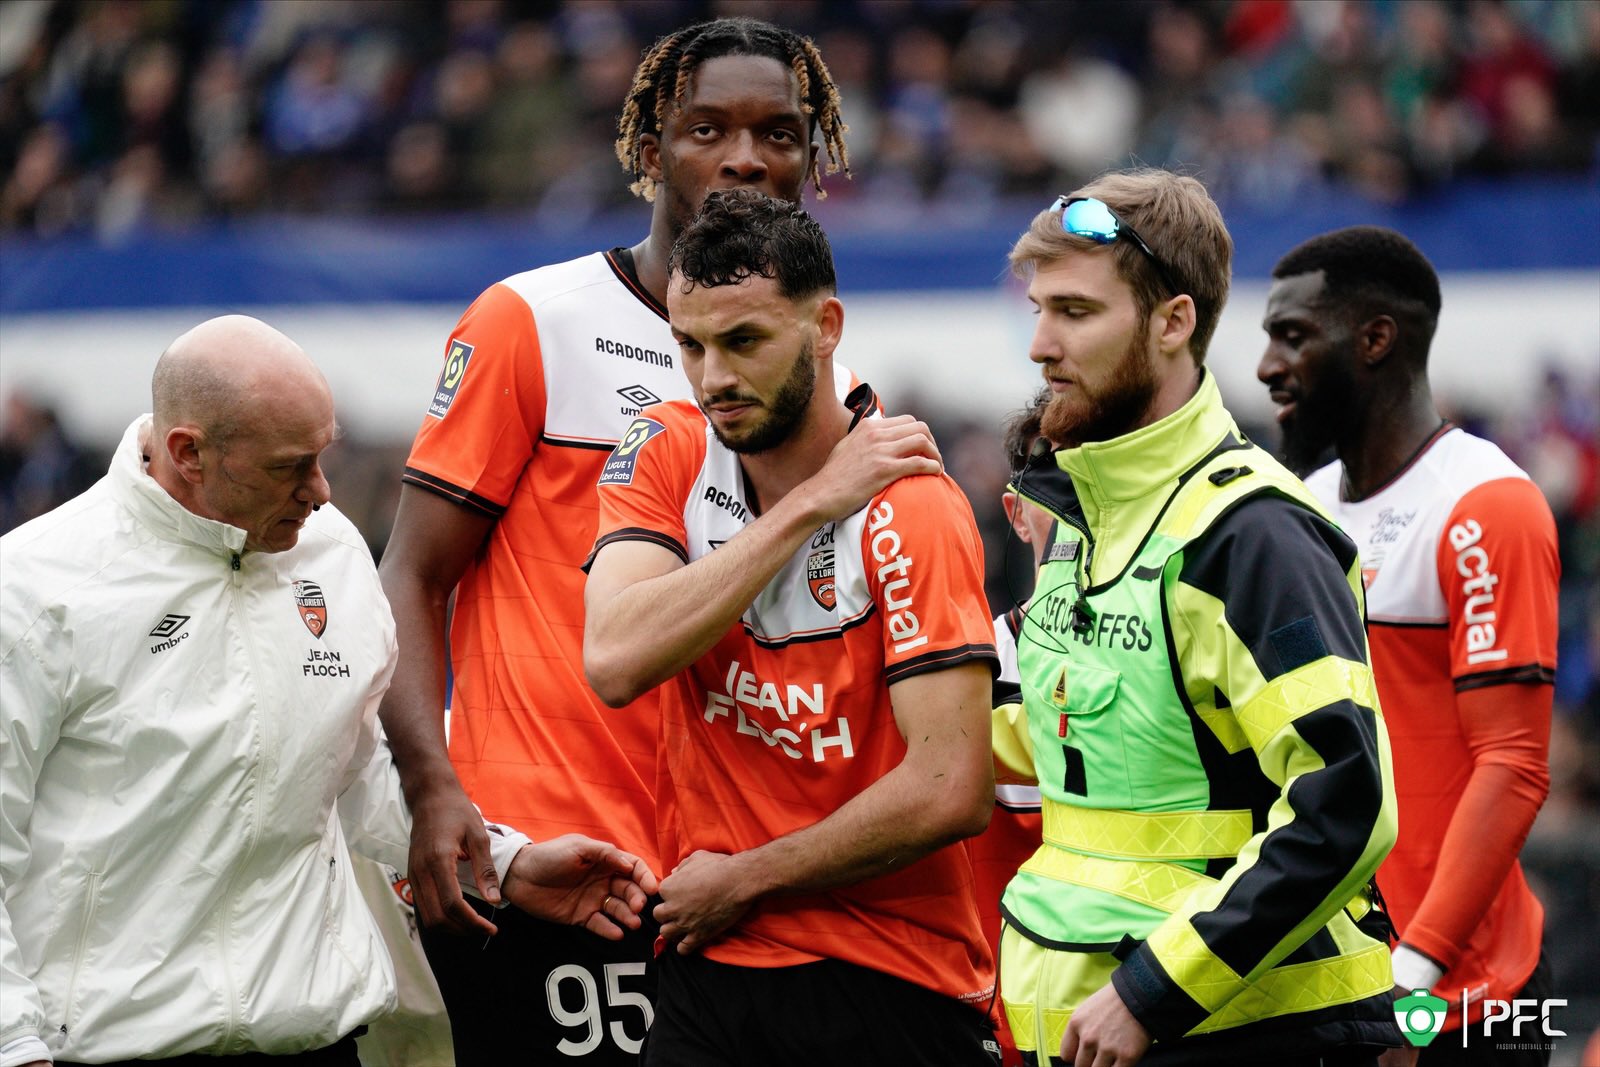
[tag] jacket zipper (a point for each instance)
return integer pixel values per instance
(1081, 615)
(223, 917)
(91, 905)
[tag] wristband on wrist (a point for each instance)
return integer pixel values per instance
(1413, 970)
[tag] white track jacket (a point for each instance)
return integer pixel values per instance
(181, 720)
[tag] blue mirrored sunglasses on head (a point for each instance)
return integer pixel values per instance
(1084, 216)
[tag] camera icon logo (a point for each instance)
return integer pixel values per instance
(1420, 1016)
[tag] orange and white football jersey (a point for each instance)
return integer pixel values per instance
(789, 715)
(1458, 553)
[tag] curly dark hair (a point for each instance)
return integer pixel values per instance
(1369, 269)
(662, 81)
(1021, 429)
(744, 232)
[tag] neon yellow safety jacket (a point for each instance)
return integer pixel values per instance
(1201, 721)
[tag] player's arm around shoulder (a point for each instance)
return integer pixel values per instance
(649, 613)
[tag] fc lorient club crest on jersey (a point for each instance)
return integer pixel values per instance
(312, 605)
(819, 574)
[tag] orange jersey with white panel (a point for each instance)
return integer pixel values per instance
(788, 716)
(1458, 553)
(541, 376)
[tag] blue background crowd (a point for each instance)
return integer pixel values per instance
(121, 114)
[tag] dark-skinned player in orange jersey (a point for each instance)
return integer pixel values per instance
(542, 375)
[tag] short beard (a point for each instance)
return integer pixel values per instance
(1070, 421)
(1311, 430)
(784, 414)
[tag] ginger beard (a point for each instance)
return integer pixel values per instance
(1081, 413)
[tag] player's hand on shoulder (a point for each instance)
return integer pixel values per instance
(579, 881)
(445, 829)
(874, 454)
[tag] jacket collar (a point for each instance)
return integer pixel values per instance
(1137, 464)
(154, 508)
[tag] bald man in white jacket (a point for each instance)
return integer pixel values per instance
(191, 658)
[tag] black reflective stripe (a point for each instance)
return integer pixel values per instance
(1159, 1003)
(1275, 564)
(1300, 863)
(466, 498)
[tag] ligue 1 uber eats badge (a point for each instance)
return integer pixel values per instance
(1421, 1016)
(313, 607)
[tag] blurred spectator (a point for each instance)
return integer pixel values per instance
(253, 107)
(40, 467)
(532, 120)
(1081, 112)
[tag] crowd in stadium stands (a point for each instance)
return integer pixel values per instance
(117, 114)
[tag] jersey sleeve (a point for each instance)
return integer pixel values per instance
(1499, 573)
(924, 566)
(1266, 611)
(488, 407)
(646, 480)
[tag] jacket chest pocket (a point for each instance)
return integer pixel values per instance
(1081, 700)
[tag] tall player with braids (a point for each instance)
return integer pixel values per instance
(542, 375)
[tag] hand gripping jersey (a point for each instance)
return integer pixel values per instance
(1458, 552)
(789, 715)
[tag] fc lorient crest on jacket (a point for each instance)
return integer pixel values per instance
(312, 606)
